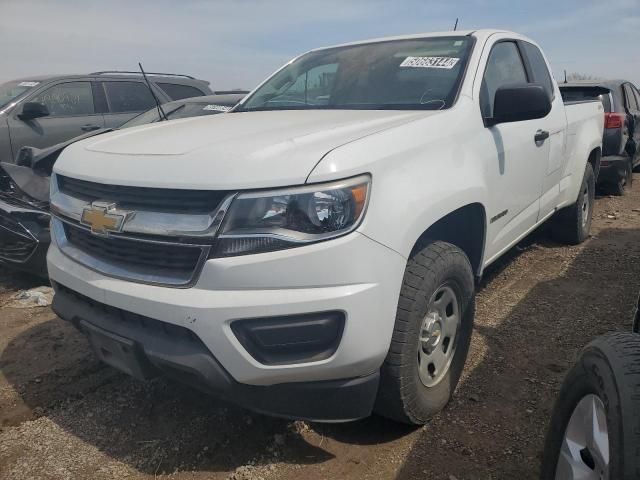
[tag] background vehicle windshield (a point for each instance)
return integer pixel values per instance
(576, 94)
(12, 90)
(175, 112)
(404, 74)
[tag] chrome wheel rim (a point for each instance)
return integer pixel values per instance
(438, 331)
(584, 454)
(586, 206)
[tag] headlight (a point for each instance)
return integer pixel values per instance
(278, 219)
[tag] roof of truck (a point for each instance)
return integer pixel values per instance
(452, 33)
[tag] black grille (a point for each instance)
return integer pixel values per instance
(168, 258)
(143, 198)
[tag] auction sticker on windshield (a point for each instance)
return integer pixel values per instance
(217, 108)
(430, 62)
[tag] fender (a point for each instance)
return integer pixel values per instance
(421, 172)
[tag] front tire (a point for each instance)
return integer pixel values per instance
(431, 336)
(572, 224)
(594, 427)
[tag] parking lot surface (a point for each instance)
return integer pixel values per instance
(63, 415)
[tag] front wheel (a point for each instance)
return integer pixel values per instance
(593, 432)
(572, 224)
(431, 336)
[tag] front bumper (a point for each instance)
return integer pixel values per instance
(24, 238)
(143, 348)
(352, 274)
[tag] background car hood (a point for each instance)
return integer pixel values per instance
(228, 151)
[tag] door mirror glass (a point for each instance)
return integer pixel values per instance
(32, 110)
(519, 102)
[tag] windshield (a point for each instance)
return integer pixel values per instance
(174, 112)
(401, 74)
(11, 90)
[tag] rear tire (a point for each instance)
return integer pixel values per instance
(427, 354)
(624, 183)
(572, 224)
(607, 377)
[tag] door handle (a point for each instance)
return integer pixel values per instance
(89, 128)
(541, 136)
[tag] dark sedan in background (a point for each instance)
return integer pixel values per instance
(620, 147)
(24, 185)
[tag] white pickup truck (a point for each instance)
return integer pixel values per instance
(312, 254)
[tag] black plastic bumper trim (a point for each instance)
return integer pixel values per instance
(291, 339)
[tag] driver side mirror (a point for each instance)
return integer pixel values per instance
(32, 110)
(519, 102)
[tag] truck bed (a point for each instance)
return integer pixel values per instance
(580, 112)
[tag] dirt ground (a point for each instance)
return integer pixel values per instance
(65, 416)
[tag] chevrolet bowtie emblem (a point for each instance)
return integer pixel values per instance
(103, 217)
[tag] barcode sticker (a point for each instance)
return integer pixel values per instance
(430, 62)
(217, 108)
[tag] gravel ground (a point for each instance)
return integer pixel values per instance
(65, 416)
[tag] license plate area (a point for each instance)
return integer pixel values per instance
(119, 352)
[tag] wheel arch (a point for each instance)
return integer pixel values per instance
(594, 159)
(465, 227)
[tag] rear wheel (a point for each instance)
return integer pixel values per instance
(431, 336)
(593, 434)
(572, 224)
(624, 182)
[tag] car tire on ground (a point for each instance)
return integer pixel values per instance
(572, 224)
(624, 182)
(431, 335)
(594, 426)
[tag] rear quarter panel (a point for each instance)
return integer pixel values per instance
(585, 125)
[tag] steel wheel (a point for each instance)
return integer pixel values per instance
(437, 344)
(586, 205)
(584, 454)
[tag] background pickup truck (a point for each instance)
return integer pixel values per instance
(313, 253)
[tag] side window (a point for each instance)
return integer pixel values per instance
(503, 67)
(68, 99)
(123, 97)
(637, 95)
(178, 92)
(630, 97)
(538, 67)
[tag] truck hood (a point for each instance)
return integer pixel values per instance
(229, 151)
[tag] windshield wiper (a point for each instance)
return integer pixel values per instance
(153, 94)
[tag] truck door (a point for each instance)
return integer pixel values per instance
(555, 123)
(517, 162)
(71, 113)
